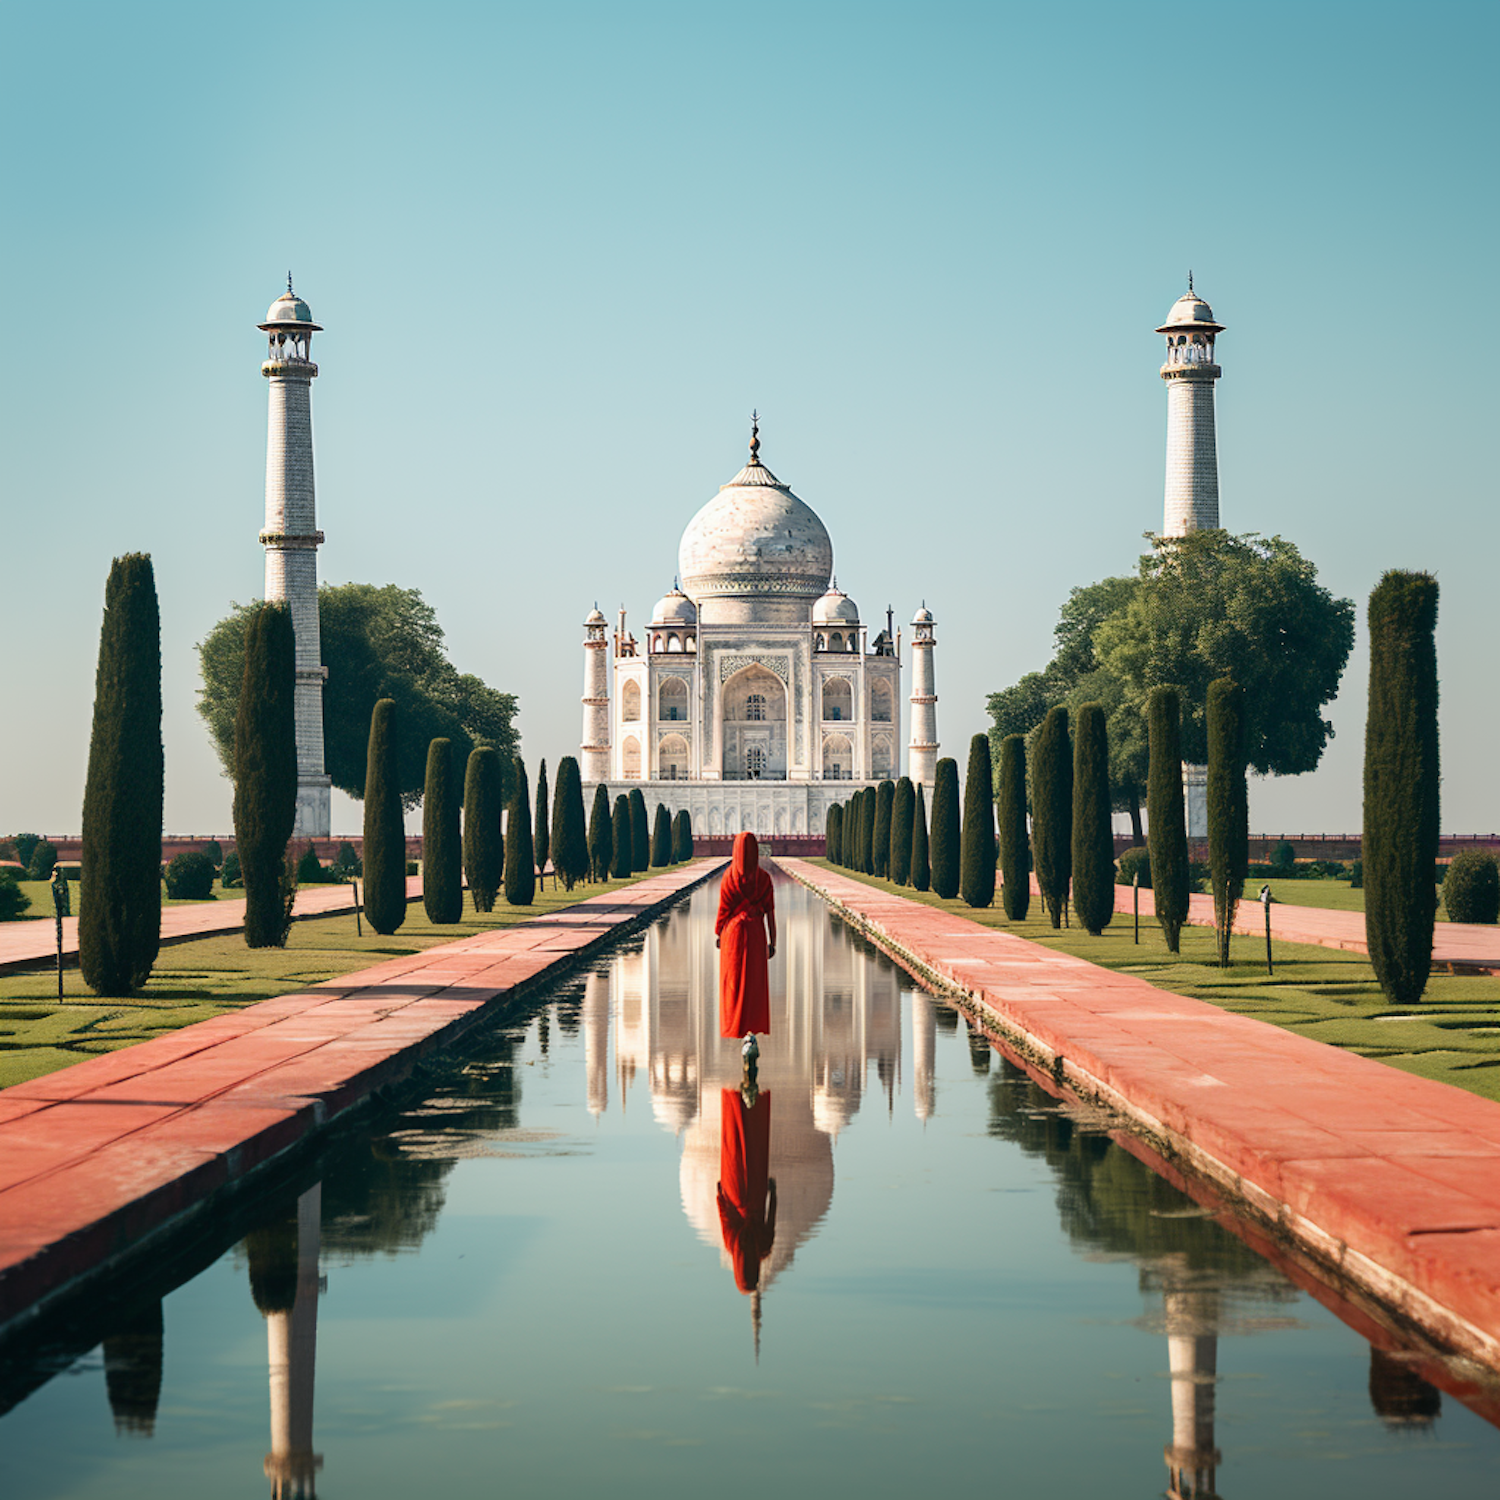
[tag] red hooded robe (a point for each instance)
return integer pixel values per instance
(746, 899)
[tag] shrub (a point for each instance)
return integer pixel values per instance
(977, 847)
(661, 838)
(1400, 841)
(1015, 841)
(442, 846)
(541, 831)
(1134, 861)
(898, 865)
(1167, 820)
(13, 900)
(640, 832)
(1471, 891)
(24, 845)
(621, 840)
(215, 852)
(520, 861)
(945, 835)
(1052, 812)
(119, 902)
(230, 875)
(569, 842)
(42, 862)
(921, 865)
(309, 868)
(682, 836)
(880, 838)
(1093, 851)
(1228, 809)
(346, 863)
(1357, 875)
(1284, 856)
(601, 835)
(413, 867)
(386, 865)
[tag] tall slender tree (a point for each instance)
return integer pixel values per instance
(601, 836)
(1015, 842)
(977, 852)
(1400, 841)
(640, 832)
(831, 834)
(442, 870)
(921, 865)
(682, 836)
(541, 834)
(520, 861)
(880, 847)
(661, 838)
(385, 833)
(484, 858)
(868, 816)
(119, 904)
(1052, 812)
(1228, 805)
(899, 867)
(945, 834)
(622, 840)
(265, 772)
(1166, 821)
(1093, 831)
(570, 844)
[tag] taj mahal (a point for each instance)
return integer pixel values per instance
(756, 698)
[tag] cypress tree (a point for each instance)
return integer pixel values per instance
(1052, 812)
(484, 858)
(541, 833)
(868, 815)
(899, 868)
(1166, 827)
(1228, 805)
(854, 811)
(265, 772)
(977, 853)
(831, 834)
(682, 836)
(442, 870)
(520, 861)
(1093, 833)
(921, 868)
(620, 832)
(119, 904)
(840, 854)
(880, 848)
(570, 844)
(1400, 841)
(1015, 842)
(385, 831)
(945, 840)
(640, 832)
(661, 839)
(601, 836)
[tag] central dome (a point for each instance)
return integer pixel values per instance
(755, 541)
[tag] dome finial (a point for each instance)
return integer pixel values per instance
(289, 291)
(1190, 278)
(755, 437)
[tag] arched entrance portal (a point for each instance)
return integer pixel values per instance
(754, 726)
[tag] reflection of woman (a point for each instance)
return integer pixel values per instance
(747, 1191)
(747, 908)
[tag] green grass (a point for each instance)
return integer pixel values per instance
(40, 892)
(1333, 895)
(1453, 1035)
(204, 978)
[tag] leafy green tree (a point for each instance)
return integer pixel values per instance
(442, 847)
(541, 834)
(661, 838)
(570, 845)
(25, 846)
(376, 643)
(640, 832)
(43, 861)
(1166, 817)
(1471, 888)
(1093, 835)
(484, 849)
(622, 841)
(880, 843)
(1400, 841)
(1015, 842)
(977, 857)
(898, 868)
(1052, 812)
(309, 866)
(1228, 805)
(601, 836)
(230, 876)
(385, 833)
(119, 905)
(13, 900)
(682, 836)
(520, 859)
(215, 852)
(945, 833)
(921, 867)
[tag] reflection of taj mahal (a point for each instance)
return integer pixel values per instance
(756, 683)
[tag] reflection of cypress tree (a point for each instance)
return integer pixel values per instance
(980, 1051)
(880, 838)
(132, 1369)
(1400, 1396)
(946, 1017)
(271, 1250)
(899, 869)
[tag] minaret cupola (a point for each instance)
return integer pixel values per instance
(289, 328)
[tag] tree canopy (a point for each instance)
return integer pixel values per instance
(377, 643)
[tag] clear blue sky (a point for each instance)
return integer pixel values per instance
(561, 251)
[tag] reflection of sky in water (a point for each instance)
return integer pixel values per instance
(522, 1286)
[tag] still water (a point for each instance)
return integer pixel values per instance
(589, 1263)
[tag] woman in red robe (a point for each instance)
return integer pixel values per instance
(747, 909)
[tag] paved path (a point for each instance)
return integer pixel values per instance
(98, 1156)
(25, 944)
(1389, 1179)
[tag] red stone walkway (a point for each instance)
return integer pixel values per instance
(1389, 1179)
(25, 944)
(98, 1156)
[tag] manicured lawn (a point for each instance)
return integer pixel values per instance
(1334, 895)
(1452, 1035)
(40, 892)
(194, 981)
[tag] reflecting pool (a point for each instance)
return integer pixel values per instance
(592, 1260)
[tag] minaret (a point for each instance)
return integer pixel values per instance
(921, 755)
(595, 745)
(291, 538)
(1192, 494)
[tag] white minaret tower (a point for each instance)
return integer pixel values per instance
(921, 754)
(291, 538)
(595, 747)
(1192, 498)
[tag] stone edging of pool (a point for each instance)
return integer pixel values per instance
(1388, 1180)
(102, 1159)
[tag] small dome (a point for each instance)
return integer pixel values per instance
(674, 609)
(922, 617)
(595, 618)
(290, 311)
(835, 608)
(1191, 314)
